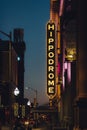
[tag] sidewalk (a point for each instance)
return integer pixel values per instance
(5, 128)
(39, 129)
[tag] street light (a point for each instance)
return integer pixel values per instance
(28, 103)
(16, 91)
(35, 99)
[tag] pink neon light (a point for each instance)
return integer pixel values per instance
(63, 77)
(59, 68)
(61, 7)
(65, 65)
(63, 82)
(69, 72)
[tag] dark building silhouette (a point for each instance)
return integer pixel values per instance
(11, 75)
(19, 46)
(8, 72)
(12, 65)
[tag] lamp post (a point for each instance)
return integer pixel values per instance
(28, 103)
(16, 104)
(16, 94)
(35, 99)
(16, 91)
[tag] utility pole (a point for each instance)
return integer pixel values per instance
(35, 99)
(8, 35)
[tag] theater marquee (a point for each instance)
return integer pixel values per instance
(51, 76)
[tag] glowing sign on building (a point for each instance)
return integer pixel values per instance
(51, 76)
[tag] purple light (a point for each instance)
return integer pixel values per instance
(69, 72)
(65, 65)
(61, 7)
(59, 68)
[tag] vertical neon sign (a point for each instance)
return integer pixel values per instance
(51, 76)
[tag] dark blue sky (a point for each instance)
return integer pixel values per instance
(32, 16)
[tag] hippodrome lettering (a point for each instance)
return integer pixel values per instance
(50, 59)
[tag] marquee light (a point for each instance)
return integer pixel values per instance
(51, 59)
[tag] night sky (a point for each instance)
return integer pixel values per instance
(32, 16)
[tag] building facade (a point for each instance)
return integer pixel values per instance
(70, 41)
(20, 47)
(8, 72)
(11, 76)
